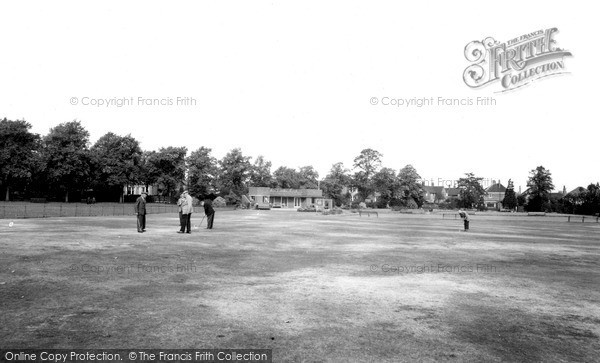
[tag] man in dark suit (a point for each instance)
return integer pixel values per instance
(140, 211)
(210, 213)
(465, 217)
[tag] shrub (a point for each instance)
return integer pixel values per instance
(219, 202)
(232, 198)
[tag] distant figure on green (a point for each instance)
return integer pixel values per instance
(465, 217)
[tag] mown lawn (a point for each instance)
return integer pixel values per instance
(311, 287)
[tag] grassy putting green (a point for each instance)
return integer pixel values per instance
(311, 287)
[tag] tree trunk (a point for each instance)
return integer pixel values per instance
(7, 194)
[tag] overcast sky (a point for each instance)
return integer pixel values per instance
(294, 81)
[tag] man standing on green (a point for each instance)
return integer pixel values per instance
(180, 204)
(187, 209)
(140, 212)
(465, 217)
(209, 212)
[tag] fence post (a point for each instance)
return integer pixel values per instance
(102, 210)
(582, 218)
(123, 209)
(44, 216)
(60, 211)
(75, 209)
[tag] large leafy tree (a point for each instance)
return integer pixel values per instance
(539, 187)
(202, 172)
(583, 200)
(234, 173)
(309, 178)
(336, 184)
(286, 178)
(260, 175)
(166, 167)
(66, 157)
(471, 191)
(510, 197)
(591, 200)
(19, 149)
(411, 192)
(386, 183)
(116, 162)
(306, 178)
(366, 164)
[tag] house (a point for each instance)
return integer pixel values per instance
(453, 193)
(434, 194)
(156, 191)
(373, 197)
(494, 196)
(138, 189)
(574, 196)
(288, 198)
(354, 194)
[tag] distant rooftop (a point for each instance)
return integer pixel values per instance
(432, 189)
(496, 188)
(278, 192)
(453, 192)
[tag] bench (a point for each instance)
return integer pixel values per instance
(368, 213)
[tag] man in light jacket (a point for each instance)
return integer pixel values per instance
(186, 212)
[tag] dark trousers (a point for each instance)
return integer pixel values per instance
(186, 223)
(209, 220)
(466, 225)
(181, 222)
(141, 222)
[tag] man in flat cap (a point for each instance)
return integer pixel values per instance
(140, 212)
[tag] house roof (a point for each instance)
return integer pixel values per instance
(575, 192)
(496, 188)
(276, 192)
(432, 189)
(453, 192)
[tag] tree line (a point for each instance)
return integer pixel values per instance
(64, 165)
